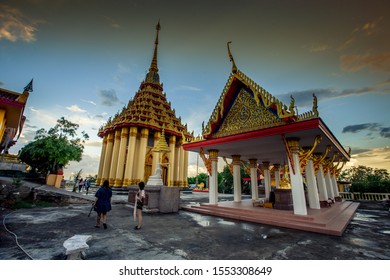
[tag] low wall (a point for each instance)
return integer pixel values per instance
(158, 198)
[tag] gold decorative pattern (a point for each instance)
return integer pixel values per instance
(206, 161)
(246, 116)
(262, 101)
(149, 108)
(306, 153)
(229, 165)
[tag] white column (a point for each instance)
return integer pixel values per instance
(297, 191)
(277, 174)
(267, 179)
(329, 187)
(254, 186)
(312, 189)
(322, 192)
(213, 187)
(335, 188)
(236, 178)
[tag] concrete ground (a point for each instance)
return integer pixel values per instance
(41, 233)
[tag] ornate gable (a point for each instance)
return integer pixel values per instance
(244, 115)
(245, 106)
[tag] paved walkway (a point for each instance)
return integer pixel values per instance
(184, 235)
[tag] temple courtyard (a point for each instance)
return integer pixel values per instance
(186, 235)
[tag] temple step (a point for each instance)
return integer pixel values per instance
(332, 221)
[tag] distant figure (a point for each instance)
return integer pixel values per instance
(87, 185)
(139, 203)
(102, 203)
(81, 184)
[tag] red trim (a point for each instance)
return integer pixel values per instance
(278, 130)
(12, 103)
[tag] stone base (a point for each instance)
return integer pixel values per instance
(338, 199)
(283, 199)
(158, 198)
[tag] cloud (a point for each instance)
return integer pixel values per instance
(112, 22)
(374, 62)
(305, 97)
(319, 48)
(76, 109)
(375, 158)
(108, 97)
(362, 32)
(15, 26)
(384, 83)
(89, 101)
(186, 88)
(370, 127)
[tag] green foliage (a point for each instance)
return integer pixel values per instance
(226, 183)
(366, 179)
(54, 149)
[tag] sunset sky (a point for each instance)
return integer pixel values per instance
(88, 58)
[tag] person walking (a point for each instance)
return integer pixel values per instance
(87, 185)
(81, 184)
(102, 203)
(138, 205)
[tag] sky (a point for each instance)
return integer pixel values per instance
(88, 58)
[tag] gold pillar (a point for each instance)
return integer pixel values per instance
(101, 162)
(181, 167)
(156, 155)
(185, 168)
(142, 153)
(177, 164)
(121, 157)
(171, 168)
(130, 157)
(114, 158)
(107, 157)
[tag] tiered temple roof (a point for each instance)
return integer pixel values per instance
(149, 108)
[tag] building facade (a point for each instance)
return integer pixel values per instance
(128, 153)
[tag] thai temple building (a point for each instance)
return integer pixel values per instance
(12, 105)
(249, 127)
(144, 136)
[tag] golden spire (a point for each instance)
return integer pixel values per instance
(161, 145)
(153, 65)
(234, 67)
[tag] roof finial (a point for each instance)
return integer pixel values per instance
(234, 67)
(153, 65)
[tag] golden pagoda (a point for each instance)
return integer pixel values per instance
(127, 155)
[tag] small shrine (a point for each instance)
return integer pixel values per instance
(297, 152)
(129, 153)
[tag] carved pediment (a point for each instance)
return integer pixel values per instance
(245, 115)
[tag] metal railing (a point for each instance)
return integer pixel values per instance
(364, 196)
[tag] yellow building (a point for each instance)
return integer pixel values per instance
(127, 155)
(12, 106)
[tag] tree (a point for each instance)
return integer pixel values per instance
(52, 150)
(366, 179)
